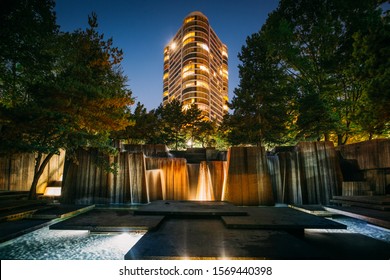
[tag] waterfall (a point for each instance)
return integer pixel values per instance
(218, 172)
(276, 178)
(156, 184)
(248, 180)
(175, 176)
(205, 186)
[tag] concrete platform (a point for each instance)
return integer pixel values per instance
(376, 202)
(347, 246)
(279, 218)
(190, 208)
(11, 205)
(49, 214)
(209, 239)
(370, 199)
(110, 220)
(60, 211)
(375, 217)
(314, 209)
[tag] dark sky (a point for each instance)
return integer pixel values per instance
(141, 28)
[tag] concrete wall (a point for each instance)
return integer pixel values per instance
(17, 172)
(373, 159)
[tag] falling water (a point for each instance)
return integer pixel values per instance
(156, 184)
(285, 174)
(205, 185)
(248, 180)
(87, 182)
(175, 176)
(193, 177)
(309, 174)
(218, 172)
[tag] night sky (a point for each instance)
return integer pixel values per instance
(141, 28)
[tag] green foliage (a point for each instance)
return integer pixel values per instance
(262, 102)
(317, 69)
(371, 51)
(170, 125)
(66, 91)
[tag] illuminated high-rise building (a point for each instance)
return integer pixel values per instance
(196, 68)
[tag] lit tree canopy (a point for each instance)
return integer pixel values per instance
(313, 71)
(58, 90)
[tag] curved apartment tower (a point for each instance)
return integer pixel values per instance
(196, 68)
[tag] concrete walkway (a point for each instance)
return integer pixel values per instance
(261, 233)
(208, 230)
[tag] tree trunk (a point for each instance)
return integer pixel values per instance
(38, 171)
(326, 136)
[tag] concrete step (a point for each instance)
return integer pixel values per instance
(379, 202)
(361, 204)
(372, 216)
(13, 195)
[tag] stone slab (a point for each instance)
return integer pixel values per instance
(369, 199)
(109, 220)
(210, 239)
(314, 209)
(375, 217)
(278, 218)
(190, 208)
(362, 201)
(61, 211)
(345, 245)
(10, 205)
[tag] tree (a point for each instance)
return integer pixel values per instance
(303, 60)
(27, 36)
(262, 107)
(172, 122)
(371, 49)
(193, 120)
(75, 101)
(318, 53)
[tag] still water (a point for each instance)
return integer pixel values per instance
(46, 244)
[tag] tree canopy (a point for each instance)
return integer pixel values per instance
(58, 90)
(316, 70)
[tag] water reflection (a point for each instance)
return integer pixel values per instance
(45, 244)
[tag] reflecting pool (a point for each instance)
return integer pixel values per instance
(46, 244)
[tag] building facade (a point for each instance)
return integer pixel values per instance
(196, 68)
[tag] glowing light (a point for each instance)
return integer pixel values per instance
(203, 46)
(189, 40)
(189, 84)
(189, 19)
(173, 45)
(205, 186)
(188, 35)
(204, 68)
(52, 191)
(188, 73)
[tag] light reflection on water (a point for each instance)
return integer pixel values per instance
(45, 244)
(361, 227)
